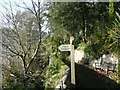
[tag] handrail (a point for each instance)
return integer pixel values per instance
(61, 85)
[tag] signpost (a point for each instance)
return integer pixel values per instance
(64, 47)
(70, 47)
(72, 61)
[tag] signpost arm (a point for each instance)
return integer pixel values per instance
(72, 61)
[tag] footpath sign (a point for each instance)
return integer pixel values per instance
(64, 47)
(70, 47)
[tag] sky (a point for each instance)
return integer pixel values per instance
(6, 4)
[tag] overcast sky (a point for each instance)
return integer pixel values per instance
(6, 3)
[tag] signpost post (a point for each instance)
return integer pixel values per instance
(72, 61)
(70, 47)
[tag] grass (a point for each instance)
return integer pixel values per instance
(54, 79)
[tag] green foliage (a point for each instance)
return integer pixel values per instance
(119, 71)
(111, 11)
(92, 24)
(32, 81)
(92, 51)
(81, 20)
(12, 83)
(54, 72)
(81, 46)
(54, 65)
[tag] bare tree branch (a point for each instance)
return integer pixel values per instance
(16, 53)
(32, 58)
(34, 8)
(25, 48)
(14, 23)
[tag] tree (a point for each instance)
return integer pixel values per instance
(96, 24)
(117, 40)
(87, 22)
(22, 39)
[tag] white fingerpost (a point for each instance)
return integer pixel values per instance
(70, 47)
(64, 47)
(72, 61)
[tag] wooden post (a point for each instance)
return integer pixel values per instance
(72, 61)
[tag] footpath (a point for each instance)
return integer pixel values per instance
(88, 78)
